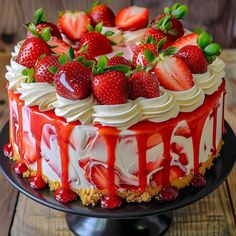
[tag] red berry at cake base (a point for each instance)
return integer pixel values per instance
(42, 72)
(73, 81)
(132, 18)
(7, 150)
(102, 13)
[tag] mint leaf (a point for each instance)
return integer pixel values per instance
(53, 69)
(46, 34)
(98, 27)
(150, 56)
(39, 16)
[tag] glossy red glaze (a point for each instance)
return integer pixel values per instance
(20, 168)
(37, 182)
(7, 150)
(65, 195)
(111, 201)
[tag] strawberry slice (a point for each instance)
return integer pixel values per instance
(176, 148)
(73, 24)
(173, 74)
(183, 159)
(99, 177)
(132, 18)
(189, 39)
(183, 131)
(175, 173)
(59, 46)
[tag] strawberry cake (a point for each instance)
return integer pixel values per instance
(109, 108)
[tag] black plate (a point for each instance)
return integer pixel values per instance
(215, 176)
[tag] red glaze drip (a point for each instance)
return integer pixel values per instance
(65, 195)
(110, 136)
(223, 115)
(37, 182)
(111, 201)
(7, 150)
(20, 168)
(20, 131)
(214, 117)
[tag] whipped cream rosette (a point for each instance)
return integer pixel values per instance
(158, 109)
(211, 80)
(190, 99)
(121, 116)
(73, 110)
(38, 94)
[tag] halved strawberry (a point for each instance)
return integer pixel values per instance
(102, 13)
(183, 131)
(99, 177)
(143, 84)
(139, 57)
(97, 43)
(173, 74)
(58, 46)
(132, 18)
(73, 24)
(175, 173)
(194, 57)
(189, 39)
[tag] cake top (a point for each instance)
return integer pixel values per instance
(116, 70)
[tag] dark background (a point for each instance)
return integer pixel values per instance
(216, 16)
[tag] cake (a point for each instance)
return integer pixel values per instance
(109, 108)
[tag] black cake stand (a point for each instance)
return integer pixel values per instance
(149, 219)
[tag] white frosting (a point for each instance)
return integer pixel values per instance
(14, 75)
(133, 37)
(189, 100)
(158, 109)
(40, 94)
(121, 116)
(211, 80)
(74, 110)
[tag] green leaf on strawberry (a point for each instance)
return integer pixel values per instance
(204, 39)
(62, 59)
(29, 73)
(46, 34)
(53, 69)
(33, 30)
(109, 33)
(39, 16)
(150, 56)
(98, 27)
(178, 11)
(71, 54)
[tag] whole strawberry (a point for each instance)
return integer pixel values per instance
(119, 60)
(73, 81)
(143, 84)
(97, 43)
(42, 72)
(41, 23)
(139, 57)
(194, 57)
(31, 50)
(102, 13)
(109, 83)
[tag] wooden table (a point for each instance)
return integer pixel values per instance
(214, 215)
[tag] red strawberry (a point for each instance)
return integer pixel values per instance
(55, 32)
(99, 177)
(59, 46)
(139, 57)
(73, 81)
(119, 60)
(31, 50)
(42, 73)
(132, 18)
(183, 159)
(73, 24)
(143, 84)
(183, 131)
(97, 44)
(194, 57)
(175, 173)
(110, 87)
(176, 148)
(86, 56)
(156, 34)
(102, 13)
(173, 74)
(189, 39)
(157, 178)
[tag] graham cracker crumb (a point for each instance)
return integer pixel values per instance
(26, 174)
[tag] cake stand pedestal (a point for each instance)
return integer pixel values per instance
(145, 219)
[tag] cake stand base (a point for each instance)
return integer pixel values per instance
(148, 226)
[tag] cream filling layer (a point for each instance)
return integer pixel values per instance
(73, 110)
(159, 109)
(211, 80)
(38, 94)
(121, 116)
(189, 100)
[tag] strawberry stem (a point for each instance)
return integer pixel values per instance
(177, 11)
(39, 16)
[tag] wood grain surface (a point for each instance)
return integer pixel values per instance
(212, 216)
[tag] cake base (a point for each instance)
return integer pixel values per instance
(148, 226)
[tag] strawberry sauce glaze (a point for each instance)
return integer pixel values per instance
(143, 130)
